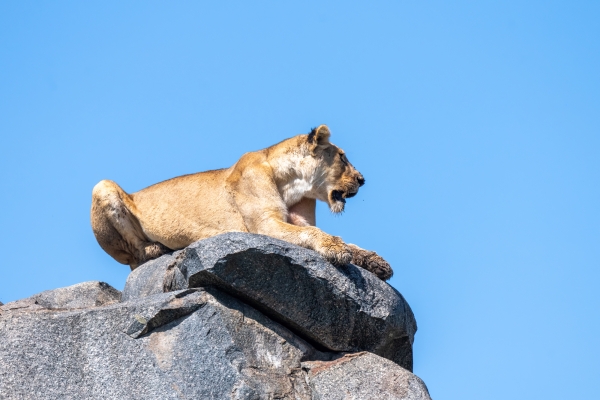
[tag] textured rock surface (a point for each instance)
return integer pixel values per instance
(190, 344)
(154, 277)
(361, 376)
(233, 317)
(341, 309)
(82, 295)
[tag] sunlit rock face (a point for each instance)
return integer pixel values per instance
(236, 316)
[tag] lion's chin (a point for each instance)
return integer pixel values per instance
(337, 207)
(337, 202)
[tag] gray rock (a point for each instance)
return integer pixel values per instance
(190, 344)
(82, 295)
(238, 316)
(361, 376)
(345, 309)
(156, 276)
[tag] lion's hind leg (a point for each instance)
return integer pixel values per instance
(117, 227)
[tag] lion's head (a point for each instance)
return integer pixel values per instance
(338, 179)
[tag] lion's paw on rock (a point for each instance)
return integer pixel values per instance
(338, 258)
(336, 251)
(379, 267)
(372, 262)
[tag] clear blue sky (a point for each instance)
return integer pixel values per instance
(475, 123)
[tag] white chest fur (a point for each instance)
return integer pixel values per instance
(302, 178)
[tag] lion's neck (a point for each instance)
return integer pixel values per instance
(297, 176)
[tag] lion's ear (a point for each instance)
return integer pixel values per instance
(319, 137)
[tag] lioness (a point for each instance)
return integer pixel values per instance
(272, 192)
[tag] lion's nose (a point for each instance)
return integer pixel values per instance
(361, 180)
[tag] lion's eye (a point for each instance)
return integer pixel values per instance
(343, 158)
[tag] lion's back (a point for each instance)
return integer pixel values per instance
(179, 211)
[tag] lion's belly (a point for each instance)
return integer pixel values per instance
(177, 230)
(179, 212)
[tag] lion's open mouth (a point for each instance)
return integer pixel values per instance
(338, 200)
(338, 195)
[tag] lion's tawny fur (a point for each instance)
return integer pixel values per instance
(271, 192)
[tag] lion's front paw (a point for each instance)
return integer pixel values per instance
(336, 251)
(371, 261)
(379, 267)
